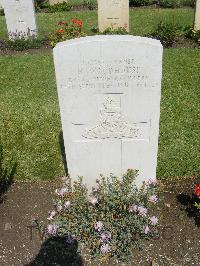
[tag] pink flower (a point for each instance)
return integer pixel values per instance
(105, 237)
(153, 199)
(151, 182)
(154, 220)
(98, 226)
(147, 230)
(142, 211)
(94, 201)
(95, 189)
(67, 204)
(133, 208)
(51, 216)
(52, 229)
(105, 248)
(61, 192)
(59, 207)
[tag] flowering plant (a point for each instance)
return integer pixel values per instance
(111, 220)
(197, 193)
(68, 30)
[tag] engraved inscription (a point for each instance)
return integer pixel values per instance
(111, 123)
(115, 74)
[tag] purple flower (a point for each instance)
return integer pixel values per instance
(105, 248)
(142, 211)
(67, 204)
(70, 239)
(133, 208)
(61, 192)
(154, 220)
(52, 229)
(98, 226)
(59, 207)
(95, 189)
(51, 216)
(147, 230)
(153, 199)
(94, 201)
(105, 237)
(152, 182)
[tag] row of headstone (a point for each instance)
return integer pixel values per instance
(20, 16)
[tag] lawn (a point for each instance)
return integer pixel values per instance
(30, 121)
(142, 21)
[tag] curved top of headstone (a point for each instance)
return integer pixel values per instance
(136, 39)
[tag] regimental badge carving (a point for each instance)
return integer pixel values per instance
(111, 124)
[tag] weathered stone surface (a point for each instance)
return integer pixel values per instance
(20, 18)
(113, 14)
(197, 16)
(109, 90)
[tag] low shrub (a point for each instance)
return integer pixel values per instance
(111, 220)
(189, 3)
(141, 2)
(167, 33)
(90, 4)
(170, 3)
(41, 4)
(2, 12)
(110, 31)
(176, 3)
(193, 34)
(119, 31)
(59, 7)
(68, 30)
(22, 43)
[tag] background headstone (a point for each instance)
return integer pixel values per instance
(197, 16)
(20, 18)
(113, 14)
(109, 90)
(53, 2)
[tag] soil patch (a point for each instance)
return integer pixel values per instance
(42, 49)
(27, 204)
(180, 43)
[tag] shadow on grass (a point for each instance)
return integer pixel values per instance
(62, 149)
(6, 175)
(57, 251)
(191, 210)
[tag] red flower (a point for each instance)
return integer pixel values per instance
(77, 22)
(197, 190)
(61, 31)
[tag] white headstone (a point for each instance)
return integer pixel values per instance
(109, 90)
(20, 18)
(197, 16)
(113, 14)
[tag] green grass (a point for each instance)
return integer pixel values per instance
(30, 120)
(142, 21)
